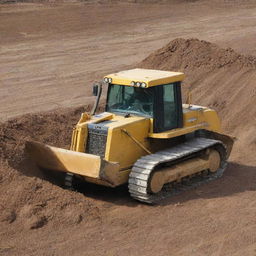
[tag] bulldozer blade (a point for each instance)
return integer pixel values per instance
(64, 160)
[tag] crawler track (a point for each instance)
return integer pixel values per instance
(69, 180)
(142, 170)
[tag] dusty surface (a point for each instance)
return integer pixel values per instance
(50, 52)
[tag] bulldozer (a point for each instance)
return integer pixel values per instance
(146, 137)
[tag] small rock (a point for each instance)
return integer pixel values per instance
(178, 204)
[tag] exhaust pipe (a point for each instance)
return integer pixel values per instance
(97, 90)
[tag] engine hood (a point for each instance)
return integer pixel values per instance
(114, 121)
(120, 147)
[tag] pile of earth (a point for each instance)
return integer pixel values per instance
(219, 78)
(26, 197)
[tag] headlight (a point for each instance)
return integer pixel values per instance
(132, 83)
(108, 80)
(138, 84)
(143, 85)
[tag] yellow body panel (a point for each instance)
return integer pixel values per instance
(120, 147)
(138, 127)
(148, 76)
(194, 118)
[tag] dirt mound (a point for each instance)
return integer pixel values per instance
(218, 78)
(51, 128)
(29, 201)
(194, 54)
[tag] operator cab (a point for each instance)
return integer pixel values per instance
(150, 93)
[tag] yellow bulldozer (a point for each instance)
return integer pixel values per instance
(146, 137)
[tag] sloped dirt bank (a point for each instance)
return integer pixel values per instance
(25, 197)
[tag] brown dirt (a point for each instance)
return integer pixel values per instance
(25, 197)
(51, 53)
(37, 217)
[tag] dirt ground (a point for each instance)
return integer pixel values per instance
(51, 53)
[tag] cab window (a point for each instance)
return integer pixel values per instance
(170, 108)
(132, 100)
(168, 113)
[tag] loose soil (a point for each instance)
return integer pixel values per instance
(39, 217)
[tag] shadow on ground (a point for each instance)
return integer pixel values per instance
(236, 179)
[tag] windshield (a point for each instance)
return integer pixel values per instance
(133, 100)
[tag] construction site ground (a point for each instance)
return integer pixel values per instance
(52, 52)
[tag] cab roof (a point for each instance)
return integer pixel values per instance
(149, 77)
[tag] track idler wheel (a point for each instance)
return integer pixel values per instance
(214, 160)
(157, 182)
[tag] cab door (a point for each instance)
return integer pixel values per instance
(168, 107)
